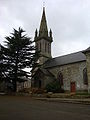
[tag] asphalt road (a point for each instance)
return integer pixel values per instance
(25, 108)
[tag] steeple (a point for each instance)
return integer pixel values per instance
(43, 31)
(43, 40)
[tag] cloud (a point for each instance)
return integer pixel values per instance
(68, 19)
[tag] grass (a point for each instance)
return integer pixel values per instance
(82, 93)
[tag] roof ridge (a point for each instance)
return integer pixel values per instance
(67, 54)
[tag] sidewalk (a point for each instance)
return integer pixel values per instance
(66, 100)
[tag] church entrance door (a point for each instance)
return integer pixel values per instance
(39, 83)
(73, 87)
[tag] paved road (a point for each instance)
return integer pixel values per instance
(25, 108)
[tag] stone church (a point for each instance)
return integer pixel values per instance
(73, 70)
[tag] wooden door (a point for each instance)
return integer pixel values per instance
(39, 83)
(73, 87)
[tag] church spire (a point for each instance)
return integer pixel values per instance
(43, 40)
(43, 31)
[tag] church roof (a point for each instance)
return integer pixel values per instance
(87, 50)
(45, 72)
(64, 60)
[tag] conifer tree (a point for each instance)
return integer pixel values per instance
(2, 66)
(19, 53)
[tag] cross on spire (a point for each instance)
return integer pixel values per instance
(43, 3)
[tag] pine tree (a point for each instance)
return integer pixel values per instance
(1, 64)
(18, 54)
(35, 60)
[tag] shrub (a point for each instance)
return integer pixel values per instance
(54, 87)
(37, 91)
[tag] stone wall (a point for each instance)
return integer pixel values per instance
(47, 80)
(88, 69)
(71, 73)
(45, 53)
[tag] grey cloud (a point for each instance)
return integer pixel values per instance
(68, 19)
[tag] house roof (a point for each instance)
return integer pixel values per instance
(66, 59)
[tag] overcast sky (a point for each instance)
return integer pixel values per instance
(68, 19)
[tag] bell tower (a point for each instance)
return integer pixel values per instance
(43, 40)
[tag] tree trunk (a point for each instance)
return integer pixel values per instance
(14, 86)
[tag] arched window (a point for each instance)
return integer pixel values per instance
(85, 78)
(60, 78)
(45, 47)
(48, 47)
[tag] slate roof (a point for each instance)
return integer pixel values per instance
(66, 59)
(45, 72)
(87, 50)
